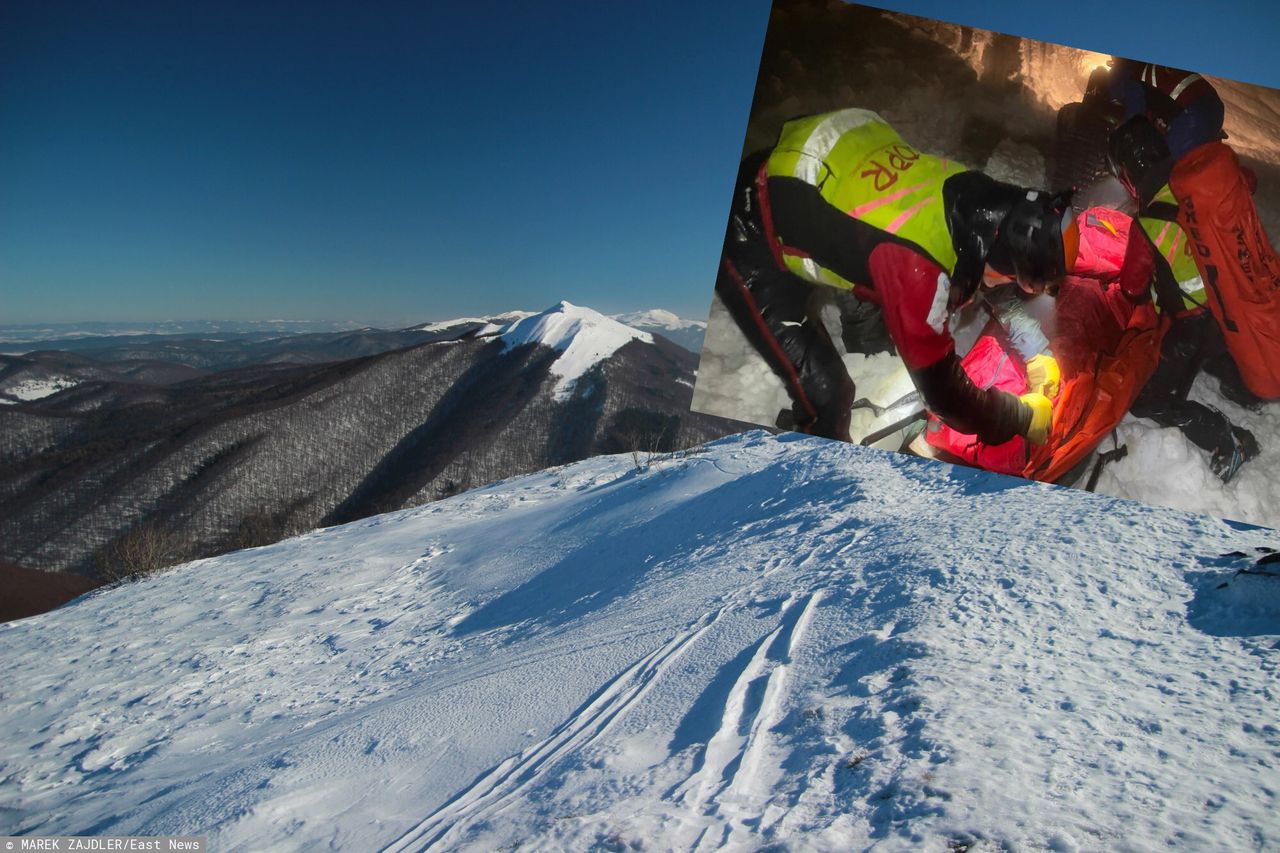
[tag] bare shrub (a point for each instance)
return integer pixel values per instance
(144, 549)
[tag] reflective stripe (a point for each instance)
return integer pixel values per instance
(938, 312)
(799, 262)
(1172, 245)
(906, 215)
(1182, 87)
(824, 137)
(1164, 232)
(1173, 249)
(881, 202)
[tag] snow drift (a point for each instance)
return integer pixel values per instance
(777, 640)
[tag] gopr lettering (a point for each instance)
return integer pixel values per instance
(882, 176)
(900, 157)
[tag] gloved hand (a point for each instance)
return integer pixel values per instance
(1041, 416)
(1043, 375)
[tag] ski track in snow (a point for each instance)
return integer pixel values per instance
(779, 641)
(508, 781)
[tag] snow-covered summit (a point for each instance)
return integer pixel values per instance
(780, 643)
(583, 337)
(678, 330)
(495, 322)
(659, 318)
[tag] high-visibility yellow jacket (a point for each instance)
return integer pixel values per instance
(864, 168)
(1160, 221)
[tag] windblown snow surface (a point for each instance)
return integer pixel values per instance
(778, 642)
(584, 338)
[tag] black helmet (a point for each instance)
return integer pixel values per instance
(1139, 156)
(1040, 238)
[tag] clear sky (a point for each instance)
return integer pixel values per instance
(395, 162)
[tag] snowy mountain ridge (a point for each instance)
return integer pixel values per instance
(228, 460)
(658, 318)
(687, 333)
(494, 322)
(36, 389)
(583, 337)
(777, 641)
(684, 332)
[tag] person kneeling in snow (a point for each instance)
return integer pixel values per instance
(1159, 251)
(1181, 104)
(842, 200)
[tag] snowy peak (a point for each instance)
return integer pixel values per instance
(488, 325)
(583, 337)
(686, 333)
(658, 318)
(565, 325)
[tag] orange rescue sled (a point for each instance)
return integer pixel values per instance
(1094, 398)
(1106, 347)
(1240, 269)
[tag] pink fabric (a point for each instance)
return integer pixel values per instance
(1101, 251)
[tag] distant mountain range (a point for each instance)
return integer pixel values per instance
(165, 354)
(686, 333)
(14, 336)
(248, 455)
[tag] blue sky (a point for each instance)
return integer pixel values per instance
(395, 162)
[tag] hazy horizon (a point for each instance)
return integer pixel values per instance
(18, 333)
(401, 163)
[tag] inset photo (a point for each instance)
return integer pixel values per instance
(1019, 256)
